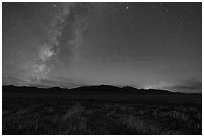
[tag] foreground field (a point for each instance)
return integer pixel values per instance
(56, 115)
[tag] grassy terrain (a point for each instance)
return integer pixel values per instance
(57, 115)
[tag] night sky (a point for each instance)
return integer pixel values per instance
(144, 45)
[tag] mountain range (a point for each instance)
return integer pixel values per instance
(96, 89)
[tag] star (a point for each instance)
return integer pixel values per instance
(126, 7)
(181, 23)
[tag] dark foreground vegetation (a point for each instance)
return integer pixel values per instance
(63, 113)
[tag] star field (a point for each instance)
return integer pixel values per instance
(145, 45)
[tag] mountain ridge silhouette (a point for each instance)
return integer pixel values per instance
(90, 89)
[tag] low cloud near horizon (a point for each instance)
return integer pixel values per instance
(188, 86)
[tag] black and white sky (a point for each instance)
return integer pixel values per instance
(144, 45)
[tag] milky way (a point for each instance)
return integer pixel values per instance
(54, 31)
(144, 45)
